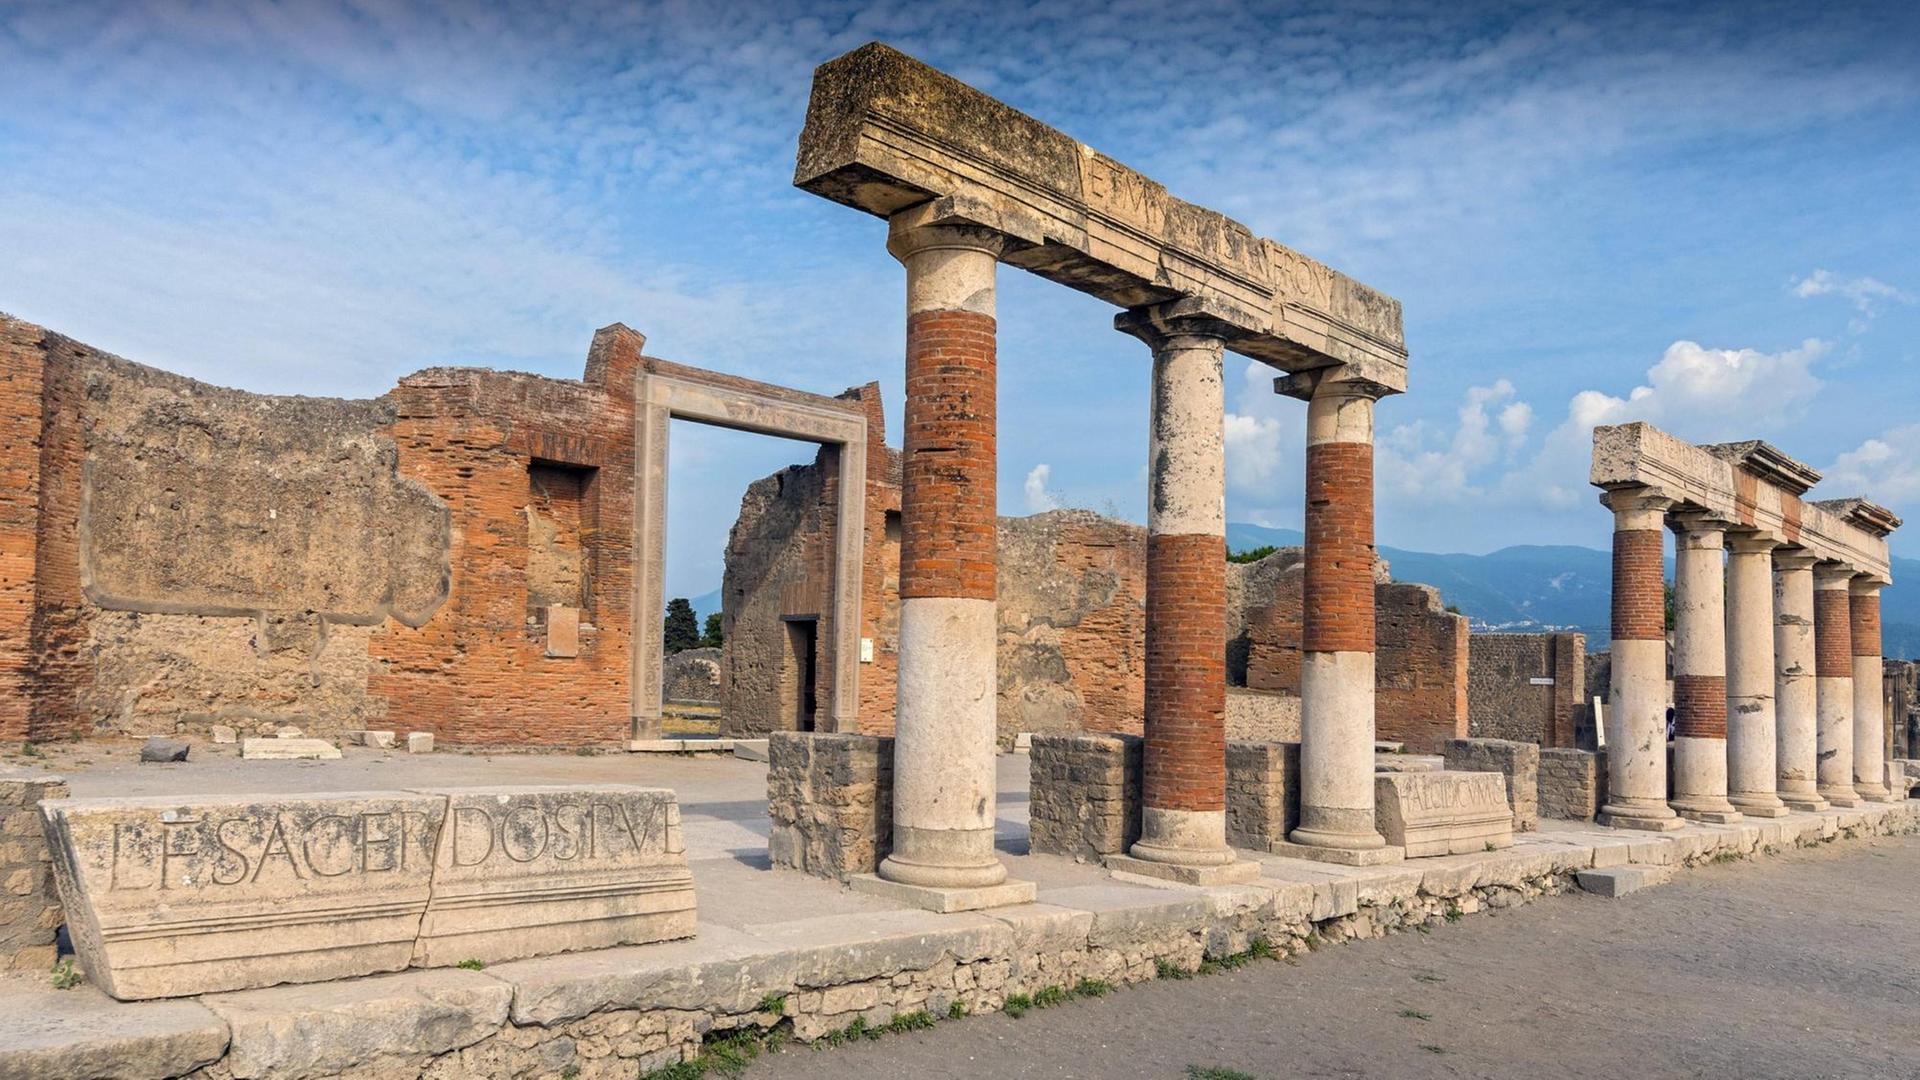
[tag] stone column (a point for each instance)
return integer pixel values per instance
(1637, 700)
(1833, 682)
(1752, 768)
(1869, 710)
(943, 768)
(1337, 639)
(1183, 817)
(1700, 669)
(1796, 708)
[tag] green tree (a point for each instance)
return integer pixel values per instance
(682, 632)
(713, 635)
(1251, 555)
(1667, 595)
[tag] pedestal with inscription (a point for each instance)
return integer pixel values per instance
(532, 871)
(166, 898)
(1443, 813)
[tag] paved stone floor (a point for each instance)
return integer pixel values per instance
(1800, 966)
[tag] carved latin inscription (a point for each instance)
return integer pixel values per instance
(1443, 813)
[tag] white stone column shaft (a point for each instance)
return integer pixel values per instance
(1869, 712)
(1752, 767)
(1700, 670)
(1833, 682)
(1796, 705)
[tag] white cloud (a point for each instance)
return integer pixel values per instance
(1414, 464)
(1039, 499)
(1867, 295)
(1885, 469)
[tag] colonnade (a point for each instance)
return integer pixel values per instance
(1776, 690)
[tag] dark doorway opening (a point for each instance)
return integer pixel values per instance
(803, 636)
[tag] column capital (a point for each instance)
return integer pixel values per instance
(1190, 316)
(1698, 526)
(1636, 499)
(1329, 382)
(940, 224)
(1828, 574)
(1865, 585)
(1751, 542)
(1793, 558)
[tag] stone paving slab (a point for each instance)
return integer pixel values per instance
(832, 950)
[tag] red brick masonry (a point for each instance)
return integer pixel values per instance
(1338, 608)
(1832, 636)
(1700, 706)
(1639, 586)
(948, 500)
(1865, 620)
(1185, 760)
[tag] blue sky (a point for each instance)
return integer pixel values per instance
(1702, 215)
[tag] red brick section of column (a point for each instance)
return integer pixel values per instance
(1636, 711)
(1184, 762)
(1833, 682)
(1337, 636)
(1869, 706)
(947, 499)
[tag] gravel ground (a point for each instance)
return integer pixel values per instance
(1802, 966)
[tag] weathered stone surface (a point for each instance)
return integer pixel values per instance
(382, 740)
(1443, 813)
(830, 802)
(388, 1022)
(1084, 800)
(166, 897)
(1263, 793)
(419, 742)
(288, 749)
(81, 1034)
(531, 871)
(221, 733)
(1617, 881)
(29, 906)
(157, 750)
(692, 675)
(1518, 762)
(1573, 783)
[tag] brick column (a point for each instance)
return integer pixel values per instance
(1869, 696)
(1833, 682)
(1752, 769)
(1183, 820)
(1700, 669)
(943, 753)
(1337, 637)
(1796, 707)
(1636, 714)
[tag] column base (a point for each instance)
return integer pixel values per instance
(1759, 805)
(1644, 816)
(1874, 792)
(1811, 803)
(1843, 797)
(1238, 872)
(944, 901)
(1377, 856)
(1709, 816)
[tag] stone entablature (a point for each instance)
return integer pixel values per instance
(885, 132)
(1748, 484)
(168, 897)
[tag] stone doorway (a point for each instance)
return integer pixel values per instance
(799, 677)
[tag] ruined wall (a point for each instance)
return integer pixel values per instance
(1900, 686)
(1527, 687)
(692, 675)
(174, 555)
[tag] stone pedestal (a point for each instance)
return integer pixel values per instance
(943, 765)
(1869, 708)
(1337, 670)
(1833, 682)
(1636, 716)
(1700, 671)
(1752, 768)
(1796, 703)
(1183, 821)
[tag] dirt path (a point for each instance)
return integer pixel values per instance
(1802, 966)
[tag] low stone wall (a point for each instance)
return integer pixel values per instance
(29, 904)
(1519, 762)
(1262, 715)
(1573, 784)
(830, 801)
(691, 675)
(1085, 795)
(618, 1012)
(1263, 793)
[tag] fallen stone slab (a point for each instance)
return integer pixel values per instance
(1443, 813)
(1617, 881)
(533, 871)
(383, 740)
(167, 897)
(288, 749)
(81, 1034)
(751, 749)
(419, 742)
(157, 750)
(1408, 763)
(388, 1022)
(288, 732)
(223, 734)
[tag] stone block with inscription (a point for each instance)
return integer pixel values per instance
(529, 871)
(1443, 813)
(166, 897)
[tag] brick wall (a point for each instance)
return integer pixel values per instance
(1085, 795)
(29, 904)
(20, 423)
(1573, 783)
(1529, 687)
(1519, 762)
(829, 802)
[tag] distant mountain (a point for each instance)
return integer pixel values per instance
(704, 605)
(1532, 587)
